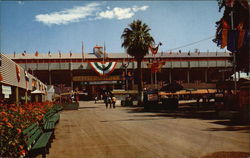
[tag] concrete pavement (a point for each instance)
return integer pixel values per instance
(93, 131)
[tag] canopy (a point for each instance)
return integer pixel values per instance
(172, 87)
(37, 92)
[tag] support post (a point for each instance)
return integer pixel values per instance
(26, 97)
(206, 76)
(50, 77)
(188, 76)
(156, 84)
(17, 96)
(170, 77)
(71, 79)
(126, 80)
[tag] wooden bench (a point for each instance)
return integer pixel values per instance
(50, 119)
(58, 107)
(36, 140)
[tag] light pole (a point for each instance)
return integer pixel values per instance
(234, 53)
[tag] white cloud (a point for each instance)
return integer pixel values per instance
(121, 13)
(143, 8)
(20, 2)
(89, 11)
(68, 15)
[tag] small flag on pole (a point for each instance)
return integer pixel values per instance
(104, 50)
(70, 54)
(24, 53)
(14, 54)
(36, 54)
(49, 53)
(60, 55)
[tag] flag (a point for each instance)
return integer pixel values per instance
(49, 54)
(18, 75)
(242, 38)
(24, 53)
(180, 51)
(36, 54)
(26, 79)
(60, 55)
(230, 3)
(170, 52)
(70, 54)
(188, 53)
(14, 54)
(224, 38)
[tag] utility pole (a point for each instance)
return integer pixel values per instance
(234, 53)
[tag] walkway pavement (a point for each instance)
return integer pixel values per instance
(96, 132)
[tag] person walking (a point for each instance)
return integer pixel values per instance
(113, 101)
(109, 101)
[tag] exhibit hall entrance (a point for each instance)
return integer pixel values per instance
(92, 86)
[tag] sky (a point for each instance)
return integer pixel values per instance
(63, 25)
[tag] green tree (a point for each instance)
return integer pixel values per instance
(136, 41)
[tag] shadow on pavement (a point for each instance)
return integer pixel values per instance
(205, 112)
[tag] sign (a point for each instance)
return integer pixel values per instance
(96, 78)
(6, 90)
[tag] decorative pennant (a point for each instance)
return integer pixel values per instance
(27, 80)
(18, 75)
(103, 68)
(155, 66)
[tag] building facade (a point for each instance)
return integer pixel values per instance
(80, 71)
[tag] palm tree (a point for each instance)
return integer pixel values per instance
(136, 40)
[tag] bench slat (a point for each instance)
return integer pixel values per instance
(42, 141)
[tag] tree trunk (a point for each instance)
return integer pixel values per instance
(139, 71)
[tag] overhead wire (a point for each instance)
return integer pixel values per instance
(189, 44)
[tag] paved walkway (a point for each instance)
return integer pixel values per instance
(96, 132)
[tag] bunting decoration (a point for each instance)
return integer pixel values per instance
(103, 69)
(154, 50)
(234, 37)
(156, 66)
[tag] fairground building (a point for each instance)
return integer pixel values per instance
(93, 71)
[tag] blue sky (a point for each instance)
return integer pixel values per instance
(53, 25)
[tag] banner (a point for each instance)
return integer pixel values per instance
(156, 66)
(103, 68)
(18, 73)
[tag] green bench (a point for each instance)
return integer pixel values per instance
(36, 140)
(58, 107)
(50, 119)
